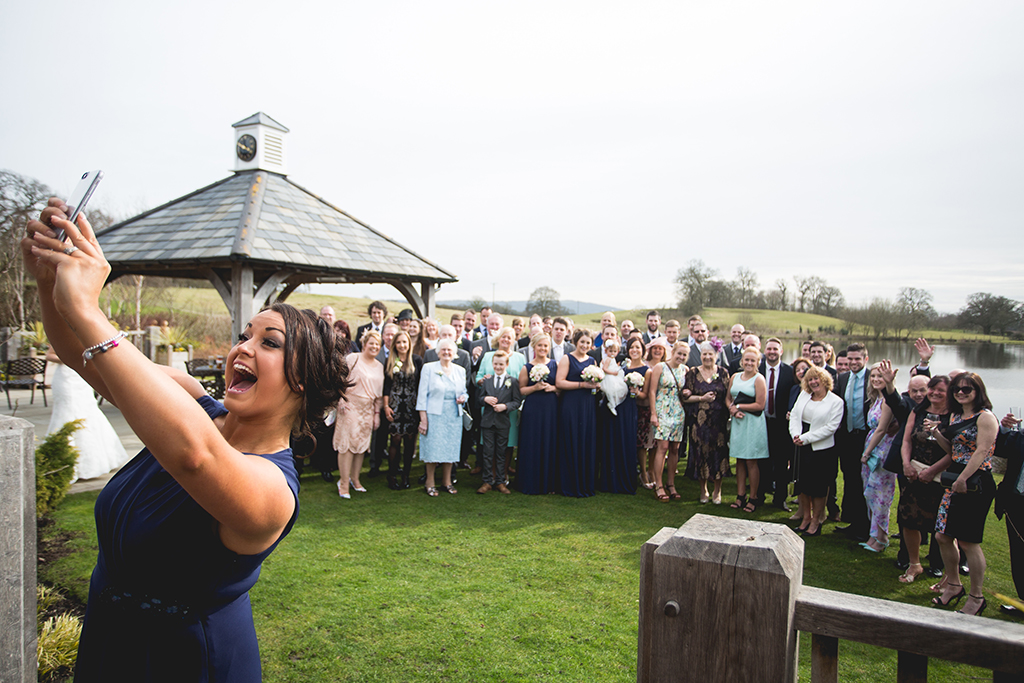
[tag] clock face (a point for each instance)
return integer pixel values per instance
(246, 148)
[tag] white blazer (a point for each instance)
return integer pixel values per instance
(824, 423)
(433, 383)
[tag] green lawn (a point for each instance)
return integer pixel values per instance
(397, 586)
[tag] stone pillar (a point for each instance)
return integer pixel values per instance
(716, 602)
(17, 551)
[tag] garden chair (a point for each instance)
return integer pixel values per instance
(22, 374)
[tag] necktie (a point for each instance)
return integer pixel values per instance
(771, 392)
(497, 381)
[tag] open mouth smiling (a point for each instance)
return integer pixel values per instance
(242, 379)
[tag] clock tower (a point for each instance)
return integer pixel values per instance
(259, 144)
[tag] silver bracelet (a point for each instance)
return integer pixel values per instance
(102, 347)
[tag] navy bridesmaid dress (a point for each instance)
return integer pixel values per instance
(167, 600)
(538, 438)
(577, 438)
(616, 447)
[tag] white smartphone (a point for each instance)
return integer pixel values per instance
(80, 197)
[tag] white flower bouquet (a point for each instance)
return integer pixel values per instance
(594, 374)
(635, 382)
(539, 373)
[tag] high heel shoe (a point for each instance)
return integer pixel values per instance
(358, 489)
(346, 496)
(817, 532)
(907, 577)
(953, 599)
(981, 608)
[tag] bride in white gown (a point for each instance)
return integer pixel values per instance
(99, 448)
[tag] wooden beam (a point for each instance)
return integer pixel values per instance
(241, 299)
(410, 295)
(266, 290)
(824, 659)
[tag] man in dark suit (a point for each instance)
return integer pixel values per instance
(700, 335)
(488, 341)
(780, 380)
(499, 395)
(817, 352)
(852, 387)
(377, 312)
(608, 333)
(731, 352)
(560, 344)
(653, 322)
(379, 443)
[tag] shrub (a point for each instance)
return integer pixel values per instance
(55, 465)
(57, 647)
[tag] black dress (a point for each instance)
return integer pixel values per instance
(401, 389)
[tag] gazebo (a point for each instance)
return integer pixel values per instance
(257, 236)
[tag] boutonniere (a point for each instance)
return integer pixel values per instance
(508, 383)
(440, 374)
(477, 335)
(398, 365)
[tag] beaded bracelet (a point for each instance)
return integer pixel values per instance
(102, 347)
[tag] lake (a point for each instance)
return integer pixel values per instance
(1000, 366)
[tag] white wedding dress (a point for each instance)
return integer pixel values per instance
(99, 448)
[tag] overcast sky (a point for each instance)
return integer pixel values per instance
(592, 147)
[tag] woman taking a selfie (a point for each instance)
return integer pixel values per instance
(184, 527)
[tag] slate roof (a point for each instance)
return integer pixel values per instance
(266, 219)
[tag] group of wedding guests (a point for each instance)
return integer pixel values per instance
(615, 409)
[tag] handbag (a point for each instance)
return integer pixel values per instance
(743, 399)
(949, 477)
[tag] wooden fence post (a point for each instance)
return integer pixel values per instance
(17, 551)
(716, 602)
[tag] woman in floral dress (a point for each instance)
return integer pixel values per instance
(667, 418)
(879, 483)
(706, 387)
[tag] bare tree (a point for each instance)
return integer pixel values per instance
(20, 199)
(914, 307)
(692, 285)
(545, 301)
(783, 287)
(746, 286)
(807, 289)
(828, 300)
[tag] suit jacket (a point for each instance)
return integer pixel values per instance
(508, 394)
(732, 359)
(840, 389)
(598, 355)
(647, 337)
(694, 359)
(433, 382)
(784, 384)
(485, 345)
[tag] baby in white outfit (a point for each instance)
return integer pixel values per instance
(613, 385)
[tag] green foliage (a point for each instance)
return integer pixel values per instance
(57, 648)
(34, 336)
(55, 465)
(46, 598)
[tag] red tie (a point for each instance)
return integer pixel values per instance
(771, 392)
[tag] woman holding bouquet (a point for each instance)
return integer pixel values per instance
(616, 442)
(577, 421)
(536, 468)
(635, 365)
(401, 385)
(666, 381)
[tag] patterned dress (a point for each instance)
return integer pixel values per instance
(962, 515)
(401, 389)
(919, 500)
(644, 433)
(667, 406)
(879, 483)
(709, 438)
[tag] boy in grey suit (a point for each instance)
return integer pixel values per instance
(498, 395)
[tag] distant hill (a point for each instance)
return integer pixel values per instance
(575, 307)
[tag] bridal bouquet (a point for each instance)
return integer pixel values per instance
(635, 382)
(594, 374)
(539, 373)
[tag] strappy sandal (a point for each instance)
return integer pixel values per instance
(450, 489)
(907, 577)
(739, 503)
(673, 494)
(432, 491)
(751, 505)
(953, 599)
(662, 497)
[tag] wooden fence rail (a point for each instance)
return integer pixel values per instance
(722, 600)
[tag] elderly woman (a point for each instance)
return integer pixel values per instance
(705, 388)
(401, 386)
(748, 441)
(666, 381)
(879, 483)
(969, 440)
(442, 391)
(184, 526)
(506, 342)
(919, 500)
(538, 440)
(359, 413)
(813, 422)
(577, 434)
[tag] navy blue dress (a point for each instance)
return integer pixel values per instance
(577, 444)
(167, 601)
(536, 468)
(616, 446)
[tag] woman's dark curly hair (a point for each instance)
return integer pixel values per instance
(314, 365)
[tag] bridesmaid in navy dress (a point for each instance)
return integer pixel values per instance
(616, 446)
(183, 527)
(538, 426)
(577, 436)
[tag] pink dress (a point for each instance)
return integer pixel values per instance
(354, 426)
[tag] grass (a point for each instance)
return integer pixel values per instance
(397, 586)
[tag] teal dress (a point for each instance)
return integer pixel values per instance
(749, 437)
(516, 361)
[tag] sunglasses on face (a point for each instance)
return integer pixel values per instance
(965, 389)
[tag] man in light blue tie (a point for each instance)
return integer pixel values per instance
(852, 388)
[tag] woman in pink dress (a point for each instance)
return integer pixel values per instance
(358, 413)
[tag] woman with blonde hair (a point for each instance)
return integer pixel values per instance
(358, 413)
(813, 422)
(401, 383)
(879, 483)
